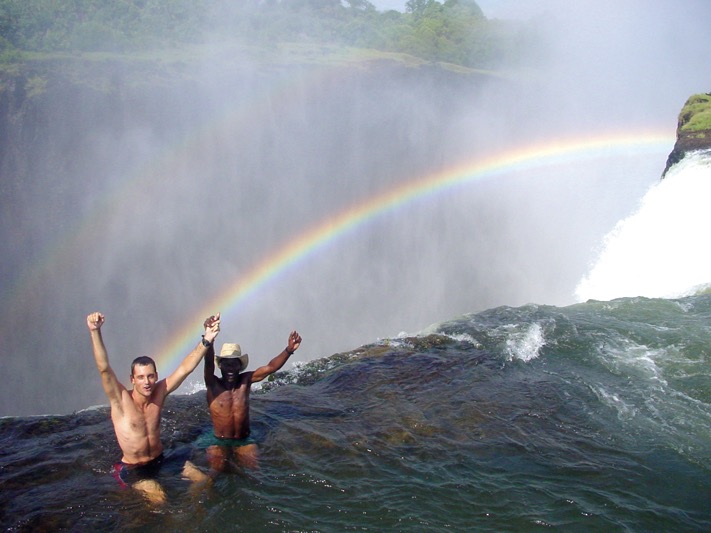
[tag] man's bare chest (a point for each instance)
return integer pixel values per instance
(234, 395)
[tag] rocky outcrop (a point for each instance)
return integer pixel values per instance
(693, 130)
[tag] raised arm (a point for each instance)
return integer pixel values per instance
(278, 362)
(209, 362)
(112, 386)
(192, 360)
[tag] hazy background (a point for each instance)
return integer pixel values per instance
(508, 9)
(162, 215)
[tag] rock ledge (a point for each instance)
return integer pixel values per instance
(693, 131)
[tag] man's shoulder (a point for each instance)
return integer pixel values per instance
(215, 388)
(246, 377)
(161, 388)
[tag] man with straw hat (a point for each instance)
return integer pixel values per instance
(228, 400)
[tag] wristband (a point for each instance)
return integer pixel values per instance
(287, 351)
(206, 343)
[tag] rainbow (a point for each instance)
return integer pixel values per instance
(288, 256)
(82, 231)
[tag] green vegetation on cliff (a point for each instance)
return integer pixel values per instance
(693, 130)
(453, 31)
(695, 116)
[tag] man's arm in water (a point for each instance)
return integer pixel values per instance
(192, 360)
(112, 386)
(278, 362)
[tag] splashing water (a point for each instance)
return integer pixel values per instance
(526, 345)
(605, 426)
(659, 251)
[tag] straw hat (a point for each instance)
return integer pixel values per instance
(233, 351)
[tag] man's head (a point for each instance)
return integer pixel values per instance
(231, 360)
(143, 375)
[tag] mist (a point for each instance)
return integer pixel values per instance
(179, 192)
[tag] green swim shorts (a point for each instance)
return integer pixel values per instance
(208, 439)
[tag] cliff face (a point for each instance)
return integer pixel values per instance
(54, 113)
(693, 130)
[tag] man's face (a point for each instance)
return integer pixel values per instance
(143, 379)
(230, 368)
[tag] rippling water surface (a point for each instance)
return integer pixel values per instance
(589, 417)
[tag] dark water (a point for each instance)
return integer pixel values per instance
(585, 418)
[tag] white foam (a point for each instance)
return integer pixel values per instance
(526, 345)
(661, 251)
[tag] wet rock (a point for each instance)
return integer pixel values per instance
(693, 130)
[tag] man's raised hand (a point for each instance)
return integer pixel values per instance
(212, 327)
(94, 321)
(294, 342)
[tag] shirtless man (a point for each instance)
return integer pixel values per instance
(228, 400)
(136, 413)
